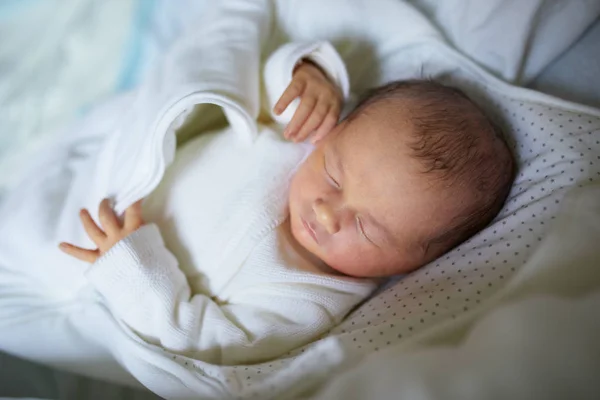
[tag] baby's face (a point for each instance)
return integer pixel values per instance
(361, 204)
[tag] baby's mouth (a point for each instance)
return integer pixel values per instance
(310, 230)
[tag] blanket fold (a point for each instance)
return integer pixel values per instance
(218, 63)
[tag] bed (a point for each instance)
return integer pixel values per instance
(139, 31)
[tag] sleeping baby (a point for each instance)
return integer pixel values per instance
(242, 254)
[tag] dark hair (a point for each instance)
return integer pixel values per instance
(456, 141)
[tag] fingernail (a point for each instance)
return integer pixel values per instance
(62, 246)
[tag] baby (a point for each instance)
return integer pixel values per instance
(413, 170)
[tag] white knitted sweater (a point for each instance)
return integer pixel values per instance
(228, 284)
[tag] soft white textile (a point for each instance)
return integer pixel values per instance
(514, 39)
(59, 58)
(574, 75)
(71, 60)
(390, 41)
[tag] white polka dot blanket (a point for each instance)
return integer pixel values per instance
(557, 148)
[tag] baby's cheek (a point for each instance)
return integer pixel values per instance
(350, 258)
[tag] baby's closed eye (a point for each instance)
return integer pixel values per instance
(360, 227)
(330, 177)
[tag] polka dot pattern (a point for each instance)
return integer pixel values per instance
(556, 149)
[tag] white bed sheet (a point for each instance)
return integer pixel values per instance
(513, 39)
(71, 61)
(575, 75)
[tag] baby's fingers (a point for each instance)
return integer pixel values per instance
(313, 122)
(82, 254)
(295, 89)
(302, 113)
(327, 125)
(93, 231)
(133, 216)
(108, 219)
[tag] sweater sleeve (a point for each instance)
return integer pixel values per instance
(279, 67)
(142, 285)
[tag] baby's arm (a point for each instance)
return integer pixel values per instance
(306, 85)
(141, 283)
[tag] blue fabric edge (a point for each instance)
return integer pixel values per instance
(133, 50)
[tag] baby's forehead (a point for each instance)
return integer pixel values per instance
(389, 121)
(373, 145)
(380, 165)
(378, 172)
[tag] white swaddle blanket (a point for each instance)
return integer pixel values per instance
(240, 289)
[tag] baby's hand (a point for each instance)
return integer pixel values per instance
(112, 230)
(320, 104)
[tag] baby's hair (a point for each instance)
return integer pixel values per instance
(459, 144)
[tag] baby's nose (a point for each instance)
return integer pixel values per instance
(326, 216)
